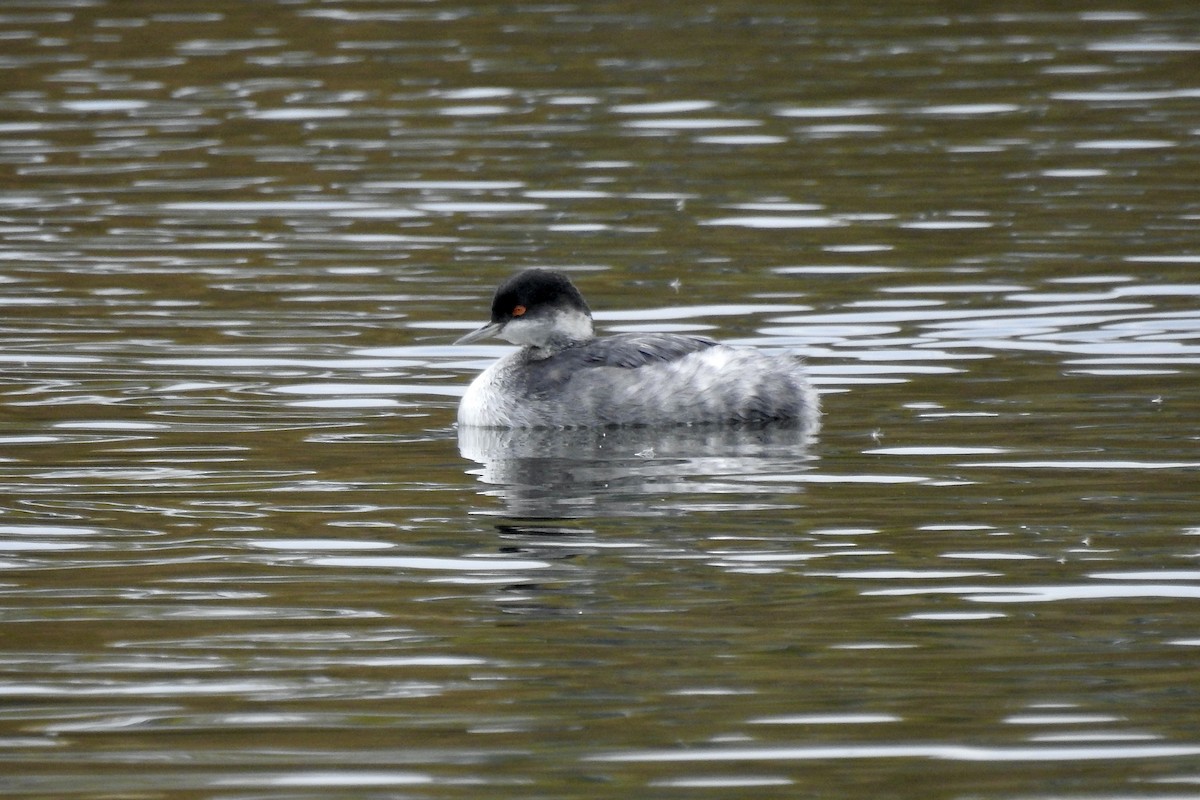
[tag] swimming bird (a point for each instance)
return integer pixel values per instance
(564, 376)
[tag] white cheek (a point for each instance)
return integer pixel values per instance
(526, 331)
(575, 326)
(540, 330)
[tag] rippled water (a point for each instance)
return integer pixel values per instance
(244, 552)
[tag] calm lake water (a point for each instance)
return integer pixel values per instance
(245, 554)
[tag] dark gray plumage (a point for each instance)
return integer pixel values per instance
(544, 377)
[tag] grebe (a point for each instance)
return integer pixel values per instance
(565, 377)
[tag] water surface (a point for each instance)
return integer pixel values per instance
(245, 553)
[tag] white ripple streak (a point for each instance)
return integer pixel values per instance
(939, 752)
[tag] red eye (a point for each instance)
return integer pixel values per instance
(518, 310)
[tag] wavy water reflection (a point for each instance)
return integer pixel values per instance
(639, 471)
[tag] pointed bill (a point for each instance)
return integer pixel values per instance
(491, 329)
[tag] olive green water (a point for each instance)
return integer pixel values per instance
(244, 553)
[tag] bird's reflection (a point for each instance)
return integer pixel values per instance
(554, 474)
